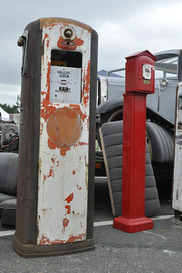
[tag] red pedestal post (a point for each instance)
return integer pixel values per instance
(134, 140)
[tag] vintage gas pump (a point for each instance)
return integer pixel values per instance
(177, 174)
(139, 83)
(57, 139)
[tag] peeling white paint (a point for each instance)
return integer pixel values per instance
(62, 196)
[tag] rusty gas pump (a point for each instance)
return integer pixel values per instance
(57, 140)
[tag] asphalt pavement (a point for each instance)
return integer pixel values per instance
(155, 250)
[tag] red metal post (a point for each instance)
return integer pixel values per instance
(134, 138)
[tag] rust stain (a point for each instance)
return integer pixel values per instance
(86, 85)
(44, 241)
(82, 143)
(50, 26)
(51, 145)
(70, 198)
(43, 93)
(63, 150)
(46, 107)
(68, 207)
(65, 223)
(46, 36)
(73, 172)
(46, 110)
(78, 187)
(53, 160)
(51, 172)
(69, 45)
(51, 21)
(44, 178)
(76, 107)
(47, 43)
(79, 237)
(73, 238)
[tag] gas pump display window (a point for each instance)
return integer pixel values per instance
(65, 77)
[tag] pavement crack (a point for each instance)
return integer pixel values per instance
(152, 233)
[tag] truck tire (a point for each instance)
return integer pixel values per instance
(162, 142)
(114, 115)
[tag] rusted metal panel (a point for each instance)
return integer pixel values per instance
(177, 179)
(63, 149)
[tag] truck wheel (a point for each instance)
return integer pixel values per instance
(162, 142)
(115, 115)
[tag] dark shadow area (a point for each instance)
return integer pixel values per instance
(102, 203)
(164, 175)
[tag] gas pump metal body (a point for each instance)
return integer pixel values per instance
(56, 165)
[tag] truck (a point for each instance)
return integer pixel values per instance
(160, 108)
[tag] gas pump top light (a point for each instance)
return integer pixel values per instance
(68, 33)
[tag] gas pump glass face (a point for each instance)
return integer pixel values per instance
(65, 77)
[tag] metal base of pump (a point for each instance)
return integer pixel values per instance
(132, 225)
(31, 251)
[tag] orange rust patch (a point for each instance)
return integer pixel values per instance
(79, 237)
(63, 150)
(64, 127)
(76, 107)
(65, 223)
(87, 85)
(53, 160)
(44, 241)
(46, 110)
(47, 43)
(51, 173)
(69, 198)
(44, 178)
(45, 36)
(69, 45)
(51, 145)
(79, 188)
(46, 107)
(43, 93)
(68, 207)
(51, 21)
(82, 143)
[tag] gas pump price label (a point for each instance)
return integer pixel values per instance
(65, 84)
